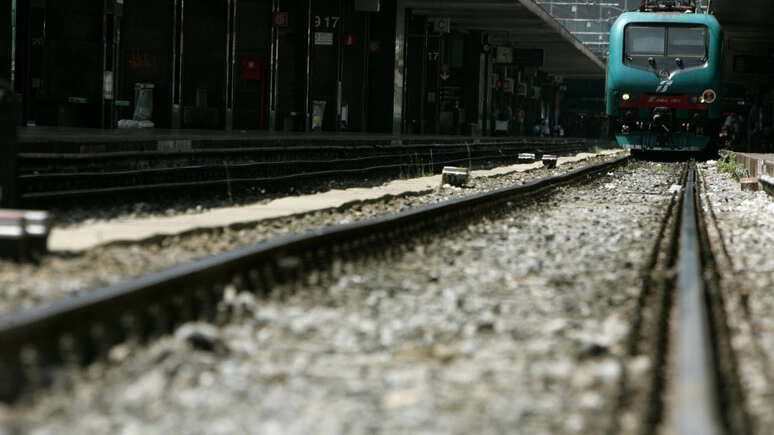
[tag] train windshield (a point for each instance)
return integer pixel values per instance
(666, 41)
(687, 41)
(645, 41)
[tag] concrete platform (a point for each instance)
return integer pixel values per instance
(760, 168)
(137, 230)
(757, 164)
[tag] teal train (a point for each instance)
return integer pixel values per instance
(664, 78)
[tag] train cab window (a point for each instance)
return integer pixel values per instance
(645, 41)
(666, 41)
(687, 41)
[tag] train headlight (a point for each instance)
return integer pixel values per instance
(708, 96)
(625, 97)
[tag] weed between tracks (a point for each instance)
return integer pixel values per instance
(418, 168)
(729, 165)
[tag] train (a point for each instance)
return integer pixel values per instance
(664, 78)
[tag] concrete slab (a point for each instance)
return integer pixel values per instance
(136, 230)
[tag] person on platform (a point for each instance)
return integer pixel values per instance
(506, 114)
(518, 116)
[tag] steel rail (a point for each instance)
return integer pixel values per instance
(697, 410)
(35, 343)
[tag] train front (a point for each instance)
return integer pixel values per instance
(663, 81)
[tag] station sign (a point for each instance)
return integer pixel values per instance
(442, 25)
(323, 38)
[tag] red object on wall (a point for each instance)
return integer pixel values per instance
(280, 19)
(349, 39)
(251, 68)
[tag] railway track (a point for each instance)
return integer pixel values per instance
(693, 386)
(46, 177)
(37, 343)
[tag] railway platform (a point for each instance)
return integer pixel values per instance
(760, 168)
(757, 164)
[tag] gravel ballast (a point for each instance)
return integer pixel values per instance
(63, 274)
(514, 325)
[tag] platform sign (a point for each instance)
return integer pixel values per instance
(323, 38)
(442, 25)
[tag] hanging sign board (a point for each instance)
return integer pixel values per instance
(323, 38)
(442, 25)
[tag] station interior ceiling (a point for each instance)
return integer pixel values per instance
(523, 23)
(747, 25)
